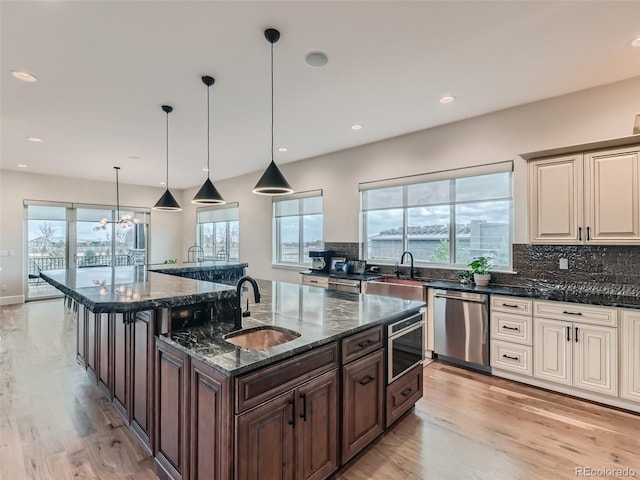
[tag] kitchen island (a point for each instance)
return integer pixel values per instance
(209, 409)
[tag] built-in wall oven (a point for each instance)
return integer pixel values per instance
(405, 345)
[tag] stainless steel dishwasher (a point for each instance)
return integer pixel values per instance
(461, 324)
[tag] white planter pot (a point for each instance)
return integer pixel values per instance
(481, 280)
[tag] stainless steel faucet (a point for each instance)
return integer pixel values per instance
(238, 313)
(412, 271)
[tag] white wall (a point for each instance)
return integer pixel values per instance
(590, 115)
(15, 187)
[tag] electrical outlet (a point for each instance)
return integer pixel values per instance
(4, 287)
(564, 264)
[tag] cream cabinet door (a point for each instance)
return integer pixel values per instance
(555, 200)
(630, 355)
(553, 350)
(612, 197)
(595, 358)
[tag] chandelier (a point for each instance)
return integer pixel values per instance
(123, 221)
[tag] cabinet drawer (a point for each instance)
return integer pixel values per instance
(403, 394)
(254, 388)
(576, 312)
(315, 281)
(512, 357)
(361, 343)
(504, 303)
(511, 328)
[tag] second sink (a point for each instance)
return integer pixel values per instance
(397, 287)
(258, 338)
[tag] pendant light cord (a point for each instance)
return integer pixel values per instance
(208, 130)
(117, 195)
(272, 101)
(167, 185)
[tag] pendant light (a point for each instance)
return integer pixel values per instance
(208, 193)
(272, 181)
(167, 202)
(124, 221)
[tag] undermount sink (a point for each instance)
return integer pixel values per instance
(258, 338)
(404, 288)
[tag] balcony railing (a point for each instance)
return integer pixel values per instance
(38, 264)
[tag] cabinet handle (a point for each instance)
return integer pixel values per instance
(510, 305)
(576, 334)
(369, 379)
(566, 312)
(579, 233)
(303, 414)
(515, 329)
(510, 357)
(313, 281)
(293, 413)
(588, 228)
(568, 334)
(407, 392)
(366, 343)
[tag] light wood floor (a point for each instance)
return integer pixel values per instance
(54, 424)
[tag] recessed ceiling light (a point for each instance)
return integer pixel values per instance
(34, 139)
(133, 157)
(21, 165)
(282, 149)
(24, 76)
(356, 127)
(635, 42)
(316, 59)
(447, 99)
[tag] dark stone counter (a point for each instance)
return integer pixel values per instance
(209, 271)
(132, 289)
(321, 316)
(570, 293)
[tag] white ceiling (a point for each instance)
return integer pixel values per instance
(106, 67)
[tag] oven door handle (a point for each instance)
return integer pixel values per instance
(460, 299)
(345, 284)
(410, 328)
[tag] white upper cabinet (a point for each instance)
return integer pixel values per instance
(585, 198)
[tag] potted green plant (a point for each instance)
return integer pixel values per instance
(480, 267)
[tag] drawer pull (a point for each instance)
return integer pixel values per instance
(407, 392)
(515, 329)
(510, 305)
(566, 312)
(313, 281)
(366, 343)
(369, 379)
(510, 357)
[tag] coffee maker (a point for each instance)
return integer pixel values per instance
(321, 259)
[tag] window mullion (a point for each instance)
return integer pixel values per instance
(300, 237)
(405, 219)
(452, 222)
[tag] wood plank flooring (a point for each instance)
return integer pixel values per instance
(55, 424)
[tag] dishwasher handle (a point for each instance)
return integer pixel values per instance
(461, 299)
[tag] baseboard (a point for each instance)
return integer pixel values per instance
(12, 300)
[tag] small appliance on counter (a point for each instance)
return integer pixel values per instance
(321, 260)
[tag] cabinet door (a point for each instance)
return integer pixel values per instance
(317, 435)
(362, 403)
(92, 343)
(105, 352)
(596, 358)
(553, 350)
(555, 200)
(211, 414)
(81, 339)
(141, 368)
(612, 197)
(121, 377)
(265, 440)
(171, 424)
(630, 355)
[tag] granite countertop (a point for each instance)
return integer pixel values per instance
(321, 316)
(132, 289)
(568, 294)
(195, 266)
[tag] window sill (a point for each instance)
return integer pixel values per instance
(458, 268)
(290, 266)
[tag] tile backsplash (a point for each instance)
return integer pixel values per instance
(595, 269)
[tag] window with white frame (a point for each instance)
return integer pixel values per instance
(218, 232)
(297, 227)
(443, 219)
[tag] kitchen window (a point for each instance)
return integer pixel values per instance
(297, 227)
(218, 232)
(444, 219)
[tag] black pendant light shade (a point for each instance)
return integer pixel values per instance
(272, 181)
(208, 193)
(167, 202)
